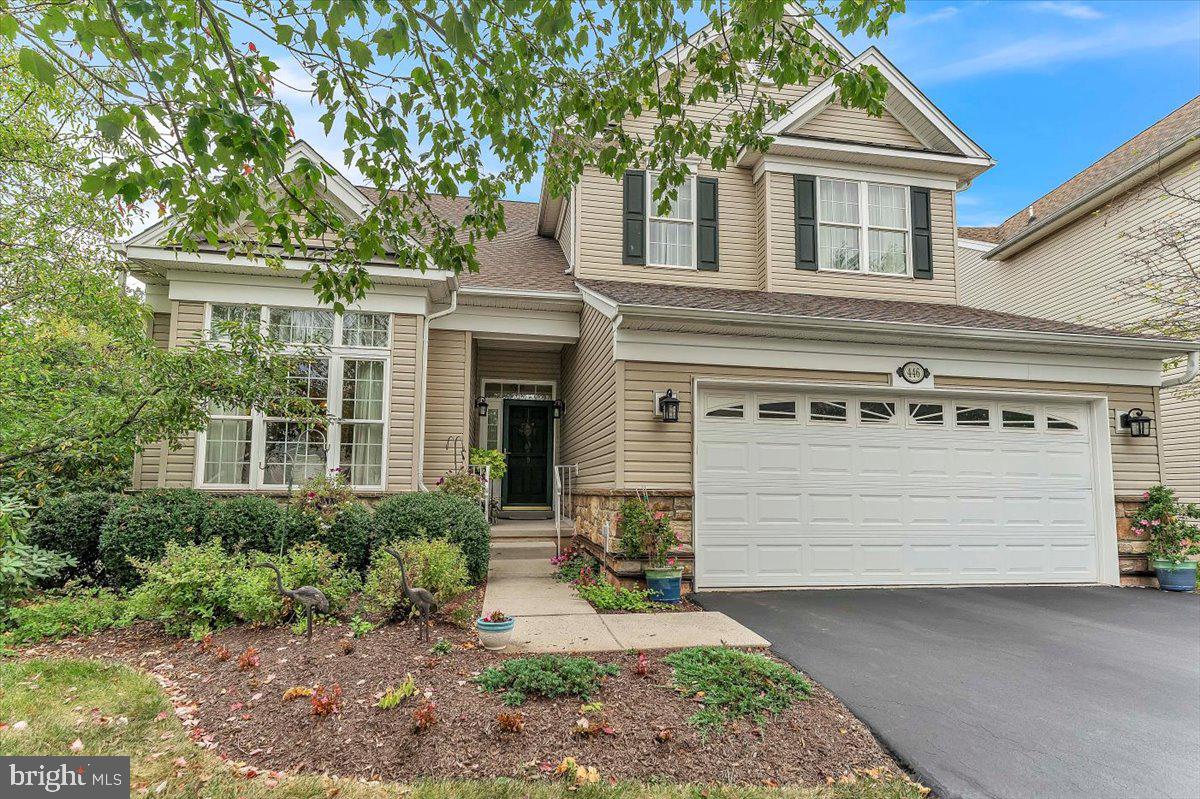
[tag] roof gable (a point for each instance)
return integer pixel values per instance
(905, 104)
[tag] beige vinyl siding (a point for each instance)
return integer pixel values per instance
(1135, 460)
(566, 234)
(148, 462)
(600, 234)
(784, 276)
(1078, 273)
(855, 125)
(402, 403)
(763, 222)
(447, 399)
(179, 466)
(1179, 422)
(968, 263)
(658, 455)
(589, 391)
(532, 366)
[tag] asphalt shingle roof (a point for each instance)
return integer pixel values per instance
(834, 307)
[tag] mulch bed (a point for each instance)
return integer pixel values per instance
(242, 714)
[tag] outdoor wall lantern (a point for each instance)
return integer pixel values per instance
(668, 406)
(559, 407)
(481, 405)
(1137, 422)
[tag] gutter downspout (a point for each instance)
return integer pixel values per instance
(419, 444)
(1189, 374)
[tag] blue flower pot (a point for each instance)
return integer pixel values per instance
(495, 635)
(664, 584)
(1175, 576)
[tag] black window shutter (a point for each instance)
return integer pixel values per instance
(805, 189)
(634, 246)
(922, 234)
(706, 225)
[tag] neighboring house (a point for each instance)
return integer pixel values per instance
(842, 420)
(1068, 256)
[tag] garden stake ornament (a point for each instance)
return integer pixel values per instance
(305, 596)
(419, 598)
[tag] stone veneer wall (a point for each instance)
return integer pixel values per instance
(1131, 549)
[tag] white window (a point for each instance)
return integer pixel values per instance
(827, 410)
(864, 227)
(972, 416)
(1017, 419)
(672, 239)
(776, 409)
(724, 406)
(1063, 419)
(926, 413)
(265, 447)
(874, 412)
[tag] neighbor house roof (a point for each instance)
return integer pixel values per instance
(849, 309)
(1178, 129)
(989, 234)
(517, 258)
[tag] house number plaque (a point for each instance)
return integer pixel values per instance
(913, 372)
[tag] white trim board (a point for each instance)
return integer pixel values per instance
(485, 321)
(263, 290)
(716, 350)
(832, 169)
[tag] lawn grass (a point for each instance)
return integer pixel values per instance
(57, 697)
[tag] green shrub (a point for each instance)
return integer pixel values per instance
(548, 676)
(349, 535)
(190, 590)
(23, 565)
(437, 566)
(575, 567)
(633, 520)
(70, 525)
(140, 526)
(256, 598)
(732, 684)
(494, 458)
(435, 514)
(245, 523)
(606, 596)
(462, 484)
(75, 614)
(1162, 521)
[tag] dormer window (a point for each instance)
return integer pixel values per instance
(863, 227)
(672, 239)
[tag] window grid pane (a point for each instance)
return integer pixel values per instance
(223, 315)
(827, 411)
(365, 329)
(362, 453)
(839, 201)
(926, 413)
(972, 416)
(839, 247)
(227, 452)
(780, 409)
(680, 209)
(1017, 420)
(876, 412)
(670, 243)
(299, 326)
(888, 252)
(886, 206)
(293, 450)
(362, 390)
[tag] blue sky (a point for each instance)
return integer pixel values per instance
(1045, 86)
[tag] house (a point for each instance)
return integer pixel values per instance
(781, 363)
(1074, 255)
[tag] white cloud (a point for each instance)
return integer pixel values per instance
(1048, 49)
(1071, 9)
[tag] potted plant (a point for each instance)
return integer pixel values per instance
(1173, 540)
(495, 630)
(663, 574)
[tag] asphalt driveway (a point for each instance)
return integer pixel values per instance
(1014, 692)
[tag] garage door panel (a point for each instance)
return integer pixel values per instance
(784, 502)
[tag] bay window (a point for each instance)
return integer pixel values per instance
(864, 227)
(264, 447)
(672, 237)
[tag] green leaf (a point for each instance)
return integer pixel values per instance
(112, 124)
(37, 65)
(8, 26)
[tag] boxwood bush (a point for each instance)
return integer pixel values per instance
(246, 523)
(349, 535)
(140, 526)
(436, 514)
(70, 525)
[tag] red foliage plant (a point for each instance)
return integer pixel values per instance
(326, 701)
(495, 617)
(222, 653)
(205, 644)
(424, 717)
(643, 665)
(510, 721)
(248, 660)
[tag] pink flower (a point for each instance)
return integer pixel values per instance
(1145, 495)
(659, 515)
(670, 561)
(312, 494)
(1156, 522)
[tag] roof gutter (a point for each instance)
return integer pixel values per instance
(1156, 347)
(1047, 225)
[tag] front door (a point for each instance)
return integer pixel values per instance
(529, 443)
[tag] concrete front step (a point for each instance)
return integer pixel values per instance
(536, 529)
(522, 550)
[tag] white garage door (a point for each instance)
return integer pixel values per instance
(833, 488)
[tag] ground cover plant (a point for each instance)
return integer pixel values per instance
(546, 676)
(730, 684)
(606, 597)
(55, 616)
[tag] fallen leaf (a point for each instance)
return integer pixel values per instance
(77, 745)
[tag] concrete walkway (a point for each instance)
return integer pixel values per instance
(552, 618)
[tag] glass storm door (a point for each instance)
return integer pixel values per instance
(529, 443)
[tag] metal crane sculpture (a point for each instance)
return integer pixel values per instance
(305, 596)
(419, 598)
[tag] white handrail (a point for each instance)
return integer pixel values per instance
(564, 485)
(484, 472)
